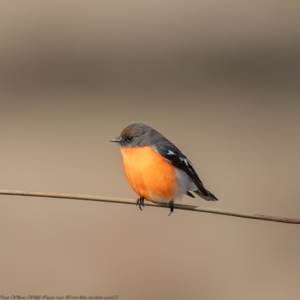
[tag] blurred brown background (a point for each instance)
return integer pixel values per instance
(221, 79)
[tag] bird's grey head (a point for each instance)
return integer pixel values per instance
(134, 134)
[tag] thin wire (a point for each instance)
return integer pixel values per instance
(147, 203)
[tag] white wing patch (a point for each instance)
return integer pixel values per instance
(186, 162)
(183, 160)
(170, 152)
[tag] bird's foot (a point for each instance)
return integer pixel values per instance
(171, 205)
(140, 202)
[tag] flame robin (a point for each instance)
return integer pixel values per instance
(156, 169)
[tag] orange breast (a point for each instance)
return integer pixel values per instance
(149, 174)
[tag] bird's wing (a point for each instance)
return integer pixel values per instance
(170, 152)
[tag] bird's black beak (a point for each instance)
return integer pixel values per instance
(117, 139)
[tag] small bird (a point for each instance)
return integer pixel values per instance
(156, 169)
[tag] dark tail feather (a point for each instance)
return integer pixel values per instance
(190, 194)
(207, 196)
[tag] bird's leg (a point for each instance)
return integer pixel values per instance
(171, 205)
(140, 202)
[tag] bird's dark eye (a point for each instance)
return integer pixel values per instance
(128, 138)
